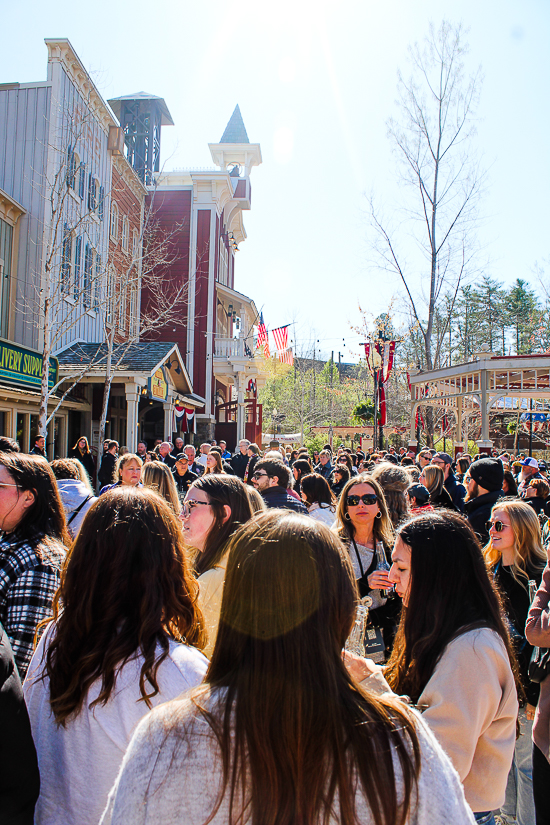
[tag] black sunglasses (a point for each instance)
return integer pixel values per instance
(498, 525)
(368, 498)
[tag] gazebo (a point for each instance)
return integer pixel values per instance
(479, 385)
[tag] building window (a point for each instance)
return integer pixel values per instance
(97, 280)
(123, 309)
(71, 168)
(66, 260)
(6, 244)
(114, 222)
(92, 193)
(125, 233)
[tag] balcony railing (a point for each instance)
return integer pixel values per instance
(232, 348)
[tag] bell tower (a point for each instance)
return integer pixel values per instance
(141, 117)
(234, 149)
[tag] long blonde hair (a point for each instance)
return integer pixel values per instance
(158, 477)
(527, 540)
(434, 479)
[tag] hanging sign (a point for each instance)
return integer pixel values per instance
(158, 386)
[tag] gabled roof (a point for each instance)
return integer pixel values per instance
(116, 104)
(235, 131)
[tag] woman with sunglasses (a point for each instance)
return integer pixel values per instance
(214, 507)
(280, 731)
(515, 557)
(363, 524)
(452, 653)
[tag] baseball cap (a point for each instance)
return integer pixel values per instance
(182, 457)
(444, 457)
(530, 462)
(419, 492)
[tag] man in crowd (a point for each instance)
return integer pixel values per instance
(456, 490)
(324, 468)
(226, 455)
(239, 462)
(107, 470)
(484, 484)
(205, 449)
(165, 448)
(271, 479)
(141, 449)
(39, 447)
(529, 470)
(182, 474)
(424, 458)
(194, 466)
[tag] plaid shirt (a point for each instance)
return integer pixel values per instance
(29, 576)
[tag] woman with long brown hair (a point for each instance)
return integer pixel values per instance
(33, 543)
(81, 451)
(125, 626)
(433, 478)
(286, 735)
(214, 508)
(214, 464)
(452, 654)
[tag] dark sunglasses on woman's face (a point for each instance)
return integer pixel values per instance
(368, 498)
(498, 525)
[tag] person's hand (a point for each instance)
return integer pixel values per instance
(359, 667)
(530, 712)
(379, 580)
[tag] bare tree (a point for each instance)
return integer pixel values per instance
(128, 319)
(441, 184)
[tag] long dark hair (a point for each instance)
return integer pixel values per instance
(221, 490)
(315, 488)
(295, 730)
(76, 447)
(450, 592)
(46, 517)
(125, 588)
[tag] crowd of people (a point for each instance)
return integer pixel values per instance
(175, 636)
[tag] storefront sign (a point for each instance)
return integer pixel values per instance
(23, 367)
(158, 386)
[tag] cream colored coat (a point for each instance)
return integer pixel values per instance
(471, 705)
(210, 600)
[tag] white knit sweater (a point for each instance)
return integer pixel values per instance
(172, 772)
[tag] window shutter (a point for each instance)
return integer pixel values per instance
(101, 199)
(66, 259)
(97, 281)
(77, 255)
(91, 206)
(87, 273)
(82, 180)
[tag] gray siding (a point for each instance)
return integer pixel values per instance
(24, 116)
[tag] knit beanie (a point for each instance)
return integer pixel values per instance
(488, 473)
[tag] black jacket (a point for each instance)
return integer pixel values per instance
(87, 461)
(280, 497)
(443, 500)
(185, 481)
(239, 463)
(19, 777)
(478, 512)
(456, 491)
(106, 474)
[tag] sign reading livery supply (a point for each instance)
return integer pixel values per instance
(23, 367)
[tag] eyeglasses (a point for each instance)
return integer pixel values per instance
(498, 525)
(5, 484)
(190, 505)
(259, 475)
(368, 498)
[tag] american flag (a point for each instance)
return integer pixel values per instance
(281, 338)
(286, 356)
(263, 336)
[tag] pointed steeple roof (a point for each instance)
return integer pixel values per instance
(235, 131)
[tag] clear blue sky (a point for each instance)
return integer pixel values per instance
(316, 83)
